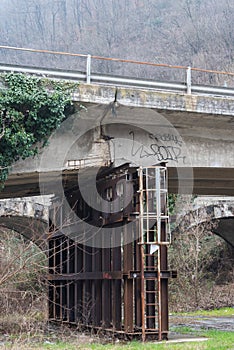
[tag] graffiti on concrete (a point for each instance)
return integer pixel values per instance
(165, 147)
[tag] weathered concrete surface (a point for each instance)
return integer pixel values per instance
(27, 216)
(191, 133)
(221, 210)
(35, 207)
(152, 98)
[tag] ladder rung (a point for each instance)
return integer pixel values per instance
(151, 316)
(151, 304)
(152, 215)
(148, 254)
(155, 243)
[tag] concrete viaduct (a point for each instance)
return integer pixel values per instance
(119, 124)
(193, 133)
(188, 127)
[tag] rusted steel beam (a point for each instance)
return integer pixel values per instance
(98, 275)
(137, 276)
(51, 288)
(153, 274)
(128, 284)
(56, 300)
(79, 251)
(164, 283)
(97, 285)
(69, 301)
(89, 285)
(113, 275)
(106, 287)
(87, 288)
(76, 269)
(116, 283)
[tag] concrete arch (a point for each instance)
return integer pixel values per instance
(223, 212)
(32, 229)
(27, 217)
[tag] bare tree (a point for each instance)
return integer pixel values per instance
(195, 253)
(187, 32)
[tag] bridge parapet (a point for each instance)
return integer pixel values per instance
(166, 115)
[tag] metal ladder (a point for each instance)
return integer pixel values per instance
(154, 222)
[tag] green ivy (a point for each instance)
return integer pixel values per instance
(172, 198)
(30, 110)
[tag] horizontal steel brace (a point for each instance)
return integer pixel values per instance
(154, 274)
(105, 275)
(110, 275)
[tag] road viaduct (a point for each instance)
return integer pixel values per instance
(117, 124)
(192, 133)
(188, 128)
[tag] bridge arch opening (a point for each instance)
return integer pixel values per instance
(23, 268)
(31, 229)
(219, 216)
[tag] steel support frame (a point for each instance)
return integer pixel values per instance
(101, 288)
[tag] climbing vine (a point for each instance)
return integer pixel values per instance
(30, 110)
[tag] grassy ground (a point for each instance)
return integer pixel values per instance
(54, 338)
(222, 312)
(216, 341)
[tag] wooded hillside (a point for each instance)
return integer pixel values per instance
(185, 32)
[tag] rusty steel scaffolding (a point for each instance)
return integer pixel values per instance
(122, 287)
(155, 236)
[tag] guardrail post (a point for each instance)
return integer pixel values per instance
(189, 80)
(88, 69)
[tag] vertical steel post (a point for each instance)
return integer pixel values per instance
(189, 80)
(159, 224)
(138, 315)
(106, 287)
(142, 293)
(116, 284)
(88, 69)
(142, 266)
(164, 264)
(164, 285)
(128, 283)
(97, 284)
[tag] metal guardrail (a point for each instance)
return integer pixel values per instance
(89, 77)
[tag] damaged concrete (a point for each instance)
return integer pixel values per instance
(27, 216)
(193, 134)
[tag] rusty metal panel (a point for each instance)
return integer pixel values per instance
(164, 284)
(116, 284)
(137, 263)
(123, 287)
(97, 286)
(128, 284)
(106, 287)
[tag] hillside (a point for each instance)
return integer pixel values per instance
(184, 32)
